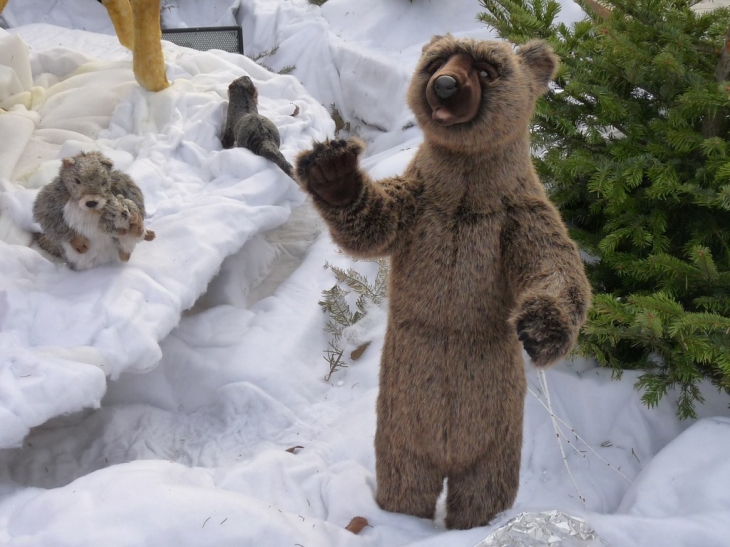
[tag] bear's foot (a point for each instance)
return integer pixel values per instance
(475, 495)
(406, 482)
(330, 171)
(413, 501)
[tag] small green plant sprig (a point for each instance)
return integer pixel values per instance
(268, 53)
(341, 315)
(340, 123)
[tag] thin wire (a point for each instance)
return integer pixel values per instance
(581, 439)
(543, 383)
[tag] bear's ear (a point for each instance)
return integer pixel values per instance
(541, 61)
(68, 162)
(435, 38)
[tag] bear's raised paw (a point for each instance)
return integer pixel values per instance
(330, 171)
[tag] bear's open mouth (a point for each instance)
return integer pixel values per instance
(444, 116)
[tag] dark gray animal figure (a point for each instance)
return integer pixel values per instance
(246, 128)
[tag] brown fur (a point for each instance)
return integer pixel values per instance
(480, 260)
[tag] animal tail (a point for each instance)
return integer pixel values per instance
(272, 153)
(48, 244)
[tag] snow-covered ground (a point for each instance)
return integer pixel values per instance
(153, 403)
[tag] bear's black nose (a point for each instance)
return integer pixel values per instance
(445, 87)
(91, 204)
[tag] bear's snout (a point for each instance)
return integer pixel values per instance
(445, 86)
(454, 91)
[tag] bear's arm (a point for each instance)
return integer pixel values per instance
(367, 219)
(377, 221)
(552, 293)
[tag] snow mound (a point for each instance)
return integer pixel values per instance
(681, 497)
(64, 330)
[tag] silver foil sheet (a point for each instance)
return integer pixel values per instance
(546, 529)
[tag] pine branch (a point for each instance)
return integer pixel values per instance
(341, 316)
(333, 356)
(712, 125)
(723, 66)
(597, 9)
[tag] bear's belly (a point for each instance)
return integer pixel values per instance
(452, 367)
(451, 274)
(447, 394)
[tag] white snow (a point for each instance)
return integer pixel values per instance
(153, 402)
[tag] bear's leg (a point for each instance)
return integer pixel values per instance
(476, 494)
(406, 481)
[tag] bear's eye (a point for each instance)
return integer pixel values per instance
(77, 180)
(487, 71)
(433, 66)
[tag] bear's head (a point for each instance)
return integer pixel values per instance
(470, 95)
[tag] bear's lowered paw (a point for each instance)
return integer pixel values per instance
(544, 330)
(330, 171)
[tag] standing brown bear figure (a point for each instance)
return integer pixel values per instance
(480, 261)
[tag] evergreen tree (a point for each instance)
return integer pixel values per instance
(632, 144)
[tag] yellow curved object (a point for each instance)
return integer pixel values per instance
(148, 61)
(120, 12)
